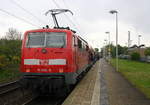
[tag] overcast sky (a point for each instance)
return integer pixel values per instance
(91, 18)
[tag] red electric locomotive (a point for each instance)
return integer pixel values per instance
(53, 58)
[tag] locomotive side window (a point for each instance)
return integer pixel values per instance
(87, 47)
(73, 41)
(84, 46)
(48, 39)
(79, 43)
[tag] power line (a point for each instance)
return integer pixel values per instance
(65, 3)
(18, 18)
(14, 2)
(56, 4)
(74, 18)
(66, 16)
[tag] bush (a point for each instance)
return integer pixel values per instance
(135, 56)
(147, 52)
(16, 59)
(3, 61)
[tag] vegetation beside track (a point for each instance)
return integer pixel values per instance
(10, 50)
(137, 73)
(9, 73)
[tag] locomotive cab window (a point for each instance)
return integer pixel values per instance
(48, 39)
(55, 39)
(35, 40)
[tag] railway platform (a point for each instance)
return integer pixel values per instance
(87, 92)
(102, 85)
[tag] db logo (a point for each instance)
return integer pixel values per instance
(44, 62)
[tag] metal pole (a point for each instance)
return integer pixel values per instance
(109, 44)
(128, 39)
(139, 40)
(109, 47)
(116, 41)
(105, 48)
(116, 12)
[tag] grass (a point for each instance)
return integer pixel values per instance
(137, 73)
(9, 73)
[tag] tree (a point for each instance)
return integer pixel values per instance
(147, 52)
(121, 50)
(13, 34)
(135, 56)
(10, 47)
(96, 49)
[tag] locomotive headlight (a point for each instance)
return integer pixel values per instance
(38, 70)
(50, 70)
(61, 70)
(28, 70)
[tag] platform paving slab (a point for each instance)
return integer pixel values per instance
(87, 92)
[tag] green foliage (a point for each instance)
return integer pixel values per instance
(135, 56)
(9, 73)
(3, 61)
(11, 49)
(121, 50)
(147, 52)
(96, 49)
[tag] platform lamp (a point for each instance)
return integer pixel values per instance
(109, 44)
(116, 12)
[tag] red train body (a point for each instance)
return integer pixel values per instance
(53, 57)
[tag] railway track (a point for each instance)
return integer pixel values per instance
(8, 87)
(44, 100)
(29, 101)
(11, 93)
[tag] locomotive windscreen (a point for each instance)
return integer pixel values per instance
(46, 39)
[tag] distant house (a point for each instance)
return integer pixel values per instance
(140, 49)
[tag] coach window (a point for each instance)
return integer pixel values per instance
(83, 46)
(87, 47)
(79, 43)
(73, 41)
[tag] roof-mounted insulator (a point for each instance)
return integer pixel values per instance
(47, 26)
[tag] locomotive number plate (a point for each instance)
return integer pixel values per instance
(43, 62)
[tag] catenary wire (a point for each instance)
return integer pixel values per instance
(22, 19)
(18, 5)
(75, 19)
(66, 15)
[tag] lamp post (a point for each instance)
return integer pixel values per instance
(116, 12)
(139, 39)
(104, 51)
(109, 44)
(105, 48)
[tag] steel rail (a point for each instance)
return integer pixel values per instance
(9, 87)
